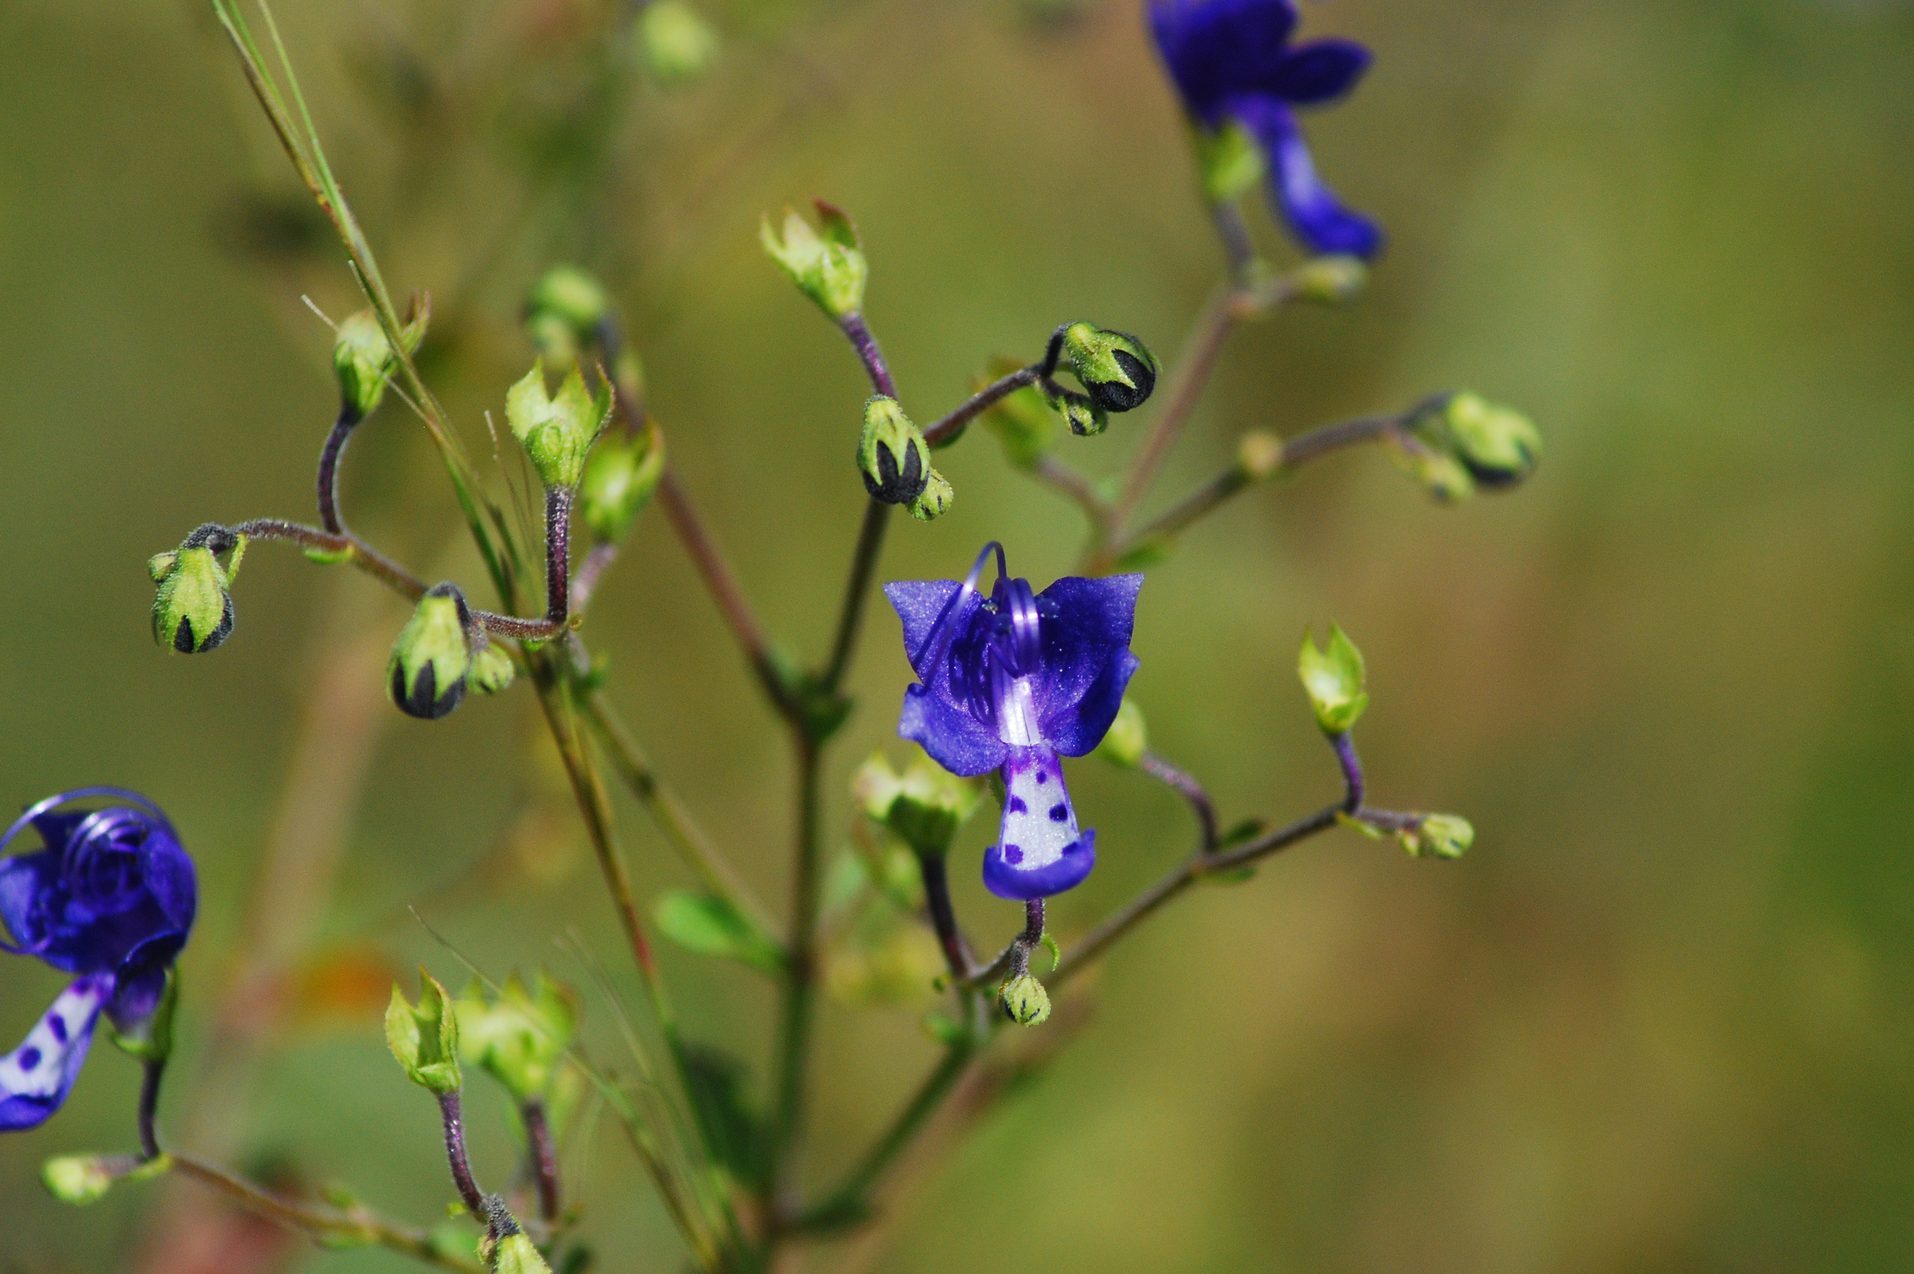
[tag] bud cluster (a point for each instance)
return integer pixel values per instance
(1455, 444)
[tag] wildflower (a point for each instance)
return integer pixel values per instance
(109, 897)
(1235, 68)
(1012, 682)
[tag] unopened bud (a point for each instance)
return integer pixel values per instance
(193, 604)
(1334, 280)
(1080, 412)
(621, 474)
(566, 302)
(1116, 369)
(432, 659)
(363, 360)
(424, 1037)
(891, 453)
(935, 499)
(1333, 677)
(1259, 454)
(1438, 836)
(519, 1035)
(556, 430)
(1498, 445)
(676, 44)
(492, 670)
(923, 807)
(77, 1179)
(1024, 1001)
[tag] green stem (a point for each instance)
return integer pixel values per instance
(903, 1131)
(1213, 326)
(800, 992)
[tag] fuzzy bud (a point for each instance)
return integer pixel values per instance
(193, 603)
(1024, 1001)
(1498, 445)
(825, 262)
(1438, 836)
(1333, 677)
(891, 453)
(424, 1037)
(492, 670)
(923, 807)
(675, 43)
(363, 360)
(621, 474)
(1080, 412)
(556, 430)
(935, 499)
(432, 659)
(1116, 369)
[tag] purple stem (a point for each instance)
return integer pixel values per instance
(943, 915)
(1351, 771)
(538, 1132)
(865, 344)
(452, 1116)
(329, 468)
(149, 1109)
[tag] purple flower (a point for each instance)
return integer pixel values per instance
(1011, 683)
(109, 897)
(1233, 61)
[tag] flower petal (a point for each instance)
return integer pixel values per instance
(1317, 72)
(24, 880)
(1314, 213)
(1067, 872)
(170, 878)
(1216, 49)
(1077, 730)
(36, 1077)
(953, 738)
(920, 604)
(1087, 624)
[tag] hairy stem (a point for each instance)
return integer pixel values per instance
(329, 459)
(452, 1117)
(544, 1157)
(800, 987)
(947, 429)
(943, 916)
(1193, 793)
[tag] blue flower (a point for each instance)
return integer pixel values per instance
(109, 897)
(1013, 682)
(1233, 61)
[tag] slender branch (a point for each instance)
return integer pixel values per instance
(598, 560)
(943, 916)
(544, 1155)
(452, 1116)
(947, 429)
(857, 588)
(150, 1076)
(1354, 787)
(329, 459)
(1213, 326)
(859, 333)
(1238, 247)
(910, 1122)
(321, 1222)
(1325, 439)
(1185, 785)
(794, 1033)
(1054, 473)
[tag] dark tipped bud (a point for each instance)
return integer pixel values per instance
(934, 500)
(621, 474)
(193, 605)
(432, 659)
(1078, 411)
(1498, 445)
(1116, 369)
(492, 670)
(1024, 1001)
(892, 454)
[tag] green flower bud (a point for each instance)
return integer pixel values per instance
(1435, 469)
(193, 605)
(565, 313)
(432, 659)
(1229, 160)
(826, 263)
(1499, 446)
(1115, 368)
(363, 360)
(1127, 739)
(1258, 455)
(1024, 422)
(1333, 678)
(424, 1037)
(891, 453)
(1080, 412)
(519, 1036)
(556, 430)
(674, 42)
(1329, 280)
(935, 500)
(492, 670)
(1024, 1001)
(1438, 836)
(515, 1254)
(621, 473)
(78, 1179)
(923, 807)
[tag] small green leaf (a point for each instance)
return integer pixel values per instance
(707, 925)
(1056, 952)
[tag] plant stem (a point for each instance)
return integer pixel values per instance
(1185, 785)
(942, 432)
(150, 1076)
(1213, 326)
(329, 459)
(910, 1122)
(321, 1222)
(864, 559)
(538, 1135)
(1354, 787)
(1054, 473)
(943, 917)
(859, 333)
(452, 1116)
(794, 1034)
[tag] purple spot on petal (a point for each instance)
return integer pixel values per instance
(57, 1025)
(1059, 812)
(29, 1058)
(1015, 805)
(1013, 854)
(1042, 778)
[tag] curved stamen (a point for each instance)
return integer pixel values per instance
(937, 628)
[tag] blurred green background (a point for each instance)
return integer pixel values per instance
(1658, 1018)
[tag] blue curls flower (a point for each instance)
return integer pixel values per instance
(1012, 682)
(109, 897)
(1233, 63)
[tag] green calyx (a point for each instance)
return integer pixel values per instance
(891, 453)
(1116, 369)
(1229, 161)
(493, 671)
(520, 1034)
(556, 430)
(824, 262)
(77, 1179)
(424, 1037)
(1127, 739)
(1438, 836)
(675, 43)
(515, 1254)
(363, 359)
(193, 601)
(1081, 413)
(934, 500)
(924, 807)
(1024, 1001)
(1332, 280)
(1332, 675)
(621, 474)
(1498, 445)
(432, 660)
